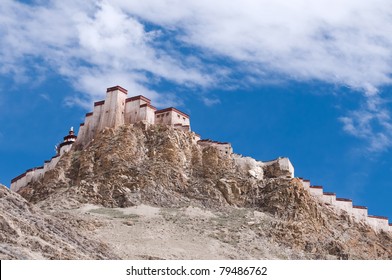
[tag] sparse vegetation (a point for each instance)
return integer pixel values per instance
(113, 213)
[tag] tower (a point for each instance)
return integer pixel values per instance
(113, 108)
(67, 143)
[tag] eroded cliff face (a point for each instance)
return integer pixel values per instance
(162, 167)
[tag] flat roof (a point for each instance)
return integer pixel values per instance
(148, 105)
(172, 109)
(316, 187)
(344, 199)
(138, 97)
(359, 207)
(378, 217)
(329, 193)
(117, 88)
(98, 103)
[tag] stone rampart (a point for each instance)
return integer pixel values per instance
(36, 173)
(359, 213)
(316, 191)
(378, 223)
(29, 176)
(329, 198)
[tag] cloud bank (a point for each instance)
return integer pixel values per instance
(92, 44)
(204, 44)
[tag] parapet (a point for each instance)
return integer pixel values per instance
(117, 88)
(171, 109)
(148, 105)
(378, 223)
(316, 191)
(99, 103)
(30, 175)
(139, 97)
(329, 198)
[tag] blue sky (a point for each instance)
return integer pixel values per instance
(310, 80)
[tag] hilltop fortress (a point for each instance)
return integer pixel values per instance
(118, 109)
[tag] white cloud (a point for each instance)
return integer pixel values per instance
(93, 44)
(45, 96)
(138, 44)
(339, 42)
(336, 41)
(346, 42)
(210, 101)
(372, 122)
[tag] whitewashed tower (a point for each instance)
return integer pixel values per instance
(113, 108)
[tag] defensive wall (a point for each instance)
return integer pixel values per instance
(359, 213)
(36, 173)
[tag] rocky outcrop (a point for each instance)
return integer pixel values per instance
(26, 232)
(132, 164)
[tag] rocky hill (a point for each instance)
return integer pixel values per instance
(157, 194)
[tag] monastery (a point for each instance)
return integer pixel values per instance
(117, 110)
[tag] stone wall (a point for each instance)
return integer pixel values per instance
(359, 213)
(27, 177)
(133, 112)
(223, 147)
(171, 116)
(316, 191)
(329, 198)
